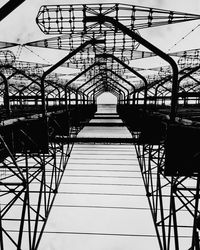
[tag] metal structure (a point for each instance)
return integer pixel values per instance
(8, 7)
(161, 111)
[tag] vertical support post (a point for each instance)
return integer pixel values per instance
(22, 221)
(6, 95)
(1, 231)
(70, 98)
(94, 100)
(76, 95)
(195, 238)
(133, 98)
(43, 95)
(172, 211)
(156, 94)
(127, 101)
(83, 99)
(66, 104)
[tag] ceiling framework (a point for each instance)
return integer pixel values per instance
(63, 19)
(118, 46)
(188, 61)
(188, 58)
(69, 23)
(116, 43)
(21, 83)
(4, 45)
(101, 41)
(112, 19)
(6, 57)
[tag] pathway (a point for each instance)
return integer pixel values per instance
(101, 204)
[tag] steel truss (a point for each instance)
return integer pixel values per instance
(33, 159)
(33, 153)
(31, 171)
(32, 164)
(169, 162)
(173, 200)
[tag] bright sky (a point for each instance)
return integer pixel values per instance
(106, 98)
(20, 27)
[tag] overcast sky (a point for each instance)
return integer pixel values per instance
(20, 27)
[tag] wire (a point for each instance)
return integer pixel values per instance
(109, 159)
(100, 163)
(92, 233)
(97, 151)
(19, 52)
(114, 194)
(100, 234)
(89, 206)
(103, 170)
(102, 184)
(105, 234)
(103, 207)
(184, 37)
(114, 234)
(36, 54)
(104, 176)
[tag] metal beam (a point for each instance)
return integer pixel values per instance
(100, 18)
(88, 81)
(123, 79)
(102, 80)
(92, 41)
(7, 8)
(6, 95)
(119, 76)
(109, 86)
(106, 79)
(105, 55)
(114, 92)
(121, 87)
(80, 74)
(83, 72)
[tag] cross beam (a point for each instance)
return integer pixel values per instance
(101, 19)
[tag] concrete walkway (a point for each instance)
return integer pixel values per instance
(101, 204)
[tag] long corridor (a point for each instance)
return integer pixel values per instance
(101, 203)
